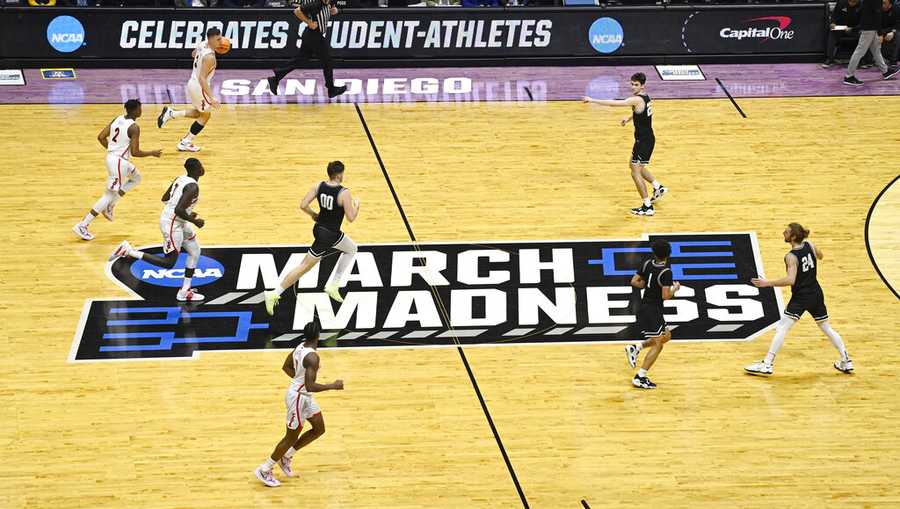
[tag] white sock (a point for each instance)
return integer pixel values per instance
(290, 453)
(134, 253)
(280, 288)
(87, 219)
(188, 138)
(642, 372)
(780, 333)
(646, 202)
(186, 285)
(835, 339)
(267, 466)
(178, 113)
(655, 184)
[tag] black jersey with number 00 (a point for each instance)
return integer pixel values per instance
(643, 121)
(656, 275)
(331, 213)
(806, 269)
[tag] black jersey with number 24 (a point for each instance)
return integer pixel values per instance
(806, 269)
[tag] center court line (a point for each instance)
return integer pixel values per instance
(722, 85)
(444, 316)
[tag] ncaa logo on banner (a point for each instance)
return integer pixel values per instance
(65, 34)
(208, 271)
(606, 35)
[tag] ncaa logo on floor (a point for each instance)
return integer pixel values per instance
(208, 271)
(439, 294)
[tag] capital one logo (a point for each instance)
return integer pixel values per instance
(65, 34)
(606, 35)
(777, 32)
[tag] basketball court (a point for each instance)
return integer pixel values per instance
(478, 159)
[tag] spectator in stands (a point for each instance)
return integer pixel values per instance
(845, 14)
(890, 22)
(869, 41)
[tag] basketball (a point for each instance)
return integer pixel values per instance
(224, 46)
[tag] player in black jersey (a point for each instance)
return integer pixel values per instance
(335, 203)
(806, 295)
(644, 141)
(655, 278)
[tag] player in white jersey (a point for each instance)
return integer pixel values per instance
(175, 224)
(199, 89)
(302, 365)
(121, 139)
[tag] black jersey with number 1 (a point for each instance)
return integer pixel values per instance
(331, 213)
(656, 275)
(643, 121)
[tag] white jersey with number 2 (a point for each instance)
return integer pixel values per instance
(119, 141)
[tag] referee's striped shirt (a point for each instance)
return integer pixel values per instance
(316, 9)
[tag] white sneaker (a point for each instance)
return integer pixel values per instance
(187, 147)
(272, 299)
(631, 352)
(285, 464)
(659, 193)
(267, 478)
(844, 366)
(82, 231)
(164, 117)
(108, 211)
(121, 251)
(759, 368)
(190, 295)
(332, 291)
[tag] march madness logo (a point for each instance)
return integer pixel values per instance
(431, 294)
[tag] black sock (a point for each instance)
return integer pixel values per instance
(196, 127)
(188, 273)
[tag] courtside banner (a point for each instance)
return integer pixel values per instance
(418, 33)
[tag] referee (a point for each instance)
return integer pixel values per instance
(316, 14)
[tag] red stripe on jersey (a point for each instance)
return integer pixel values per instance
(171, 237)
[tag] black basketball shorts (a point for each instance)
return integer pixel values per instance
(651, 321)
(812, 301)
(324, 240)
(642, 151)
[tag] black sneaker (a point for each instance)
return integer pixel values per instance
(643, 210)
(273, 84)
(891, 72)
(828, 63)
(642, 382)
(852, 81)
(336, 91)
